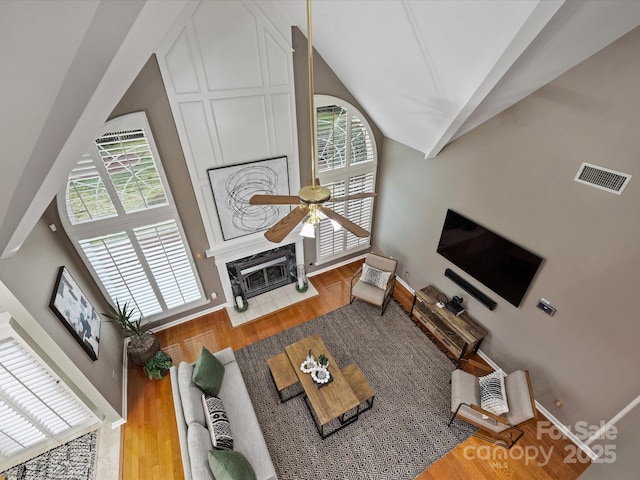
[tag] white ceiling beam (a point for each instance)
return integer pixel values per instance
(535, 23)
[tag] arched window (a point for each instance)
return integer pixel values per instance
(347, 163)
(119, 213)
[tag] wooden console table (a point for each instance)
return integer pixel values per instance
(459, 334)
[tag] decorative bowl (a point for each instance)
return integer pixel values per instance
(321, 375)
(308, 366)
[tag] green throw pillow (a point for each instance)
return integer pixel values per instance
(230, 465)
(208, 372)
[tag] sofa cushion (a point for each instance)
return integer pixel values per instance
(217, 422)
(493, 395)
(190, 395)
(227, 465)
(208, 372)
(375, 277)
(199, 444)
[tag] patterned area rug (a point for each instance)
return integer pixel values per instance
(75, 460)
(404, 432)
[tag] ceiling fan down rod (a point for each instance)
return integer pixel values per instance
(312, 123)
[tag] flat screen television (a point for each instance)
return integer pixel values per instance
(491, 259)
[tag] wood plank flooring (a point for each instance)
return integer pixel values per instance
(150, 448)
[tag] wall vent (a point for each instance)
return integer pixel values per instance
(602, 178)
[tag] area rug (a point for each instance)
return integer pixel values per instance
(404, 432)
(75, 460)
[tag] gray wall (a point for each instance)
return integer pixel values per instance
(147, 93)
(31, 275)
(514, 174)
(325, 83)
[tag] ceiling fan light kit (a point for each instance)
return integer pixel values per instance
(310, 198)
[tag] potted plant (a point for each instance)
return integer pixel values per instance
(142, 343)
(158, 365)
(323, 360)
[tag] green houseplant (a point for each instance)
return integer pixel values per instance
(158, 365)
(142, 343)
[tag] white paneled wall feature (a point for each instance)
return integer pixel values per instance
(228, 69)
(242, 140)
(281, 104)
(199, 139)
(183, 76)
(228, 37)
(277, 62)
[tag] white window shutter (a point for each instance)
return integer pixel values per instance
(347, 165)
(165, 253)
(118, 267)
(35, 406)
(120, 215)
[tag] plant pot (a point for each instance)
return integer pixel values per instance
(142, 347)
(158, 365)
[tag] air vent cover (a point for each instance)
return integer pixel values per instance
(602, 178)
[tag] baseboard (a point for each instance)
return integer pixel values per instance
(188, 318)
(405, 285)
(336, 265)
(563, 428)
(125, 379)
(118, 424)
(567, 432)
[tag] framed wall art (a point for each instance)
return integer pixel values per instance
(75, 311)
(234, 185)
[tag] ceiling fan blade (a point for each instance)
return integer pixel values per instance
(354, 197)
(286, 224)
(357, 230)
(274, 200)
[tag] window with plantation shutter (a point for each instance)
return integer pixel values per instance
(347, 163)
(35, 406)
(119, 213)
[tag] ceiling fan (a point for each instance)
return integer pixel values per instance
(311, 198)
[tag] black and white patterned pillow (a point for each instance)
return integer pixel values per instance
(375, 277)
(217, 422)
(493, 395)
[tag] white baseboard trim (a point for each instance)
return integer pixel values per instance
(118, 423)
(125, 379)
(567, 432)
(336, 265)
(405, 284)
(188, 318)
(563, 428)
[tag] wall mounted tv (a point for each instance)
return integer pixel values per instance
(494, 261)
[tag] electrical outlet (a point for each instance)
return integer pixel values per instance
(406, 274)
(214, 295)
(558, 403)
(114, 374)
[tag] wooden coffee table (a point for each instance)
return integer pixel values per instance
(330, 402)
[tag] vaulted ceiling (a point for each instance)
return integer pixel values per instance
(425, 71)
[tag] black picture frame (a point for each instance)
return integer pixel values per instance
(232, 187)
(76, 313)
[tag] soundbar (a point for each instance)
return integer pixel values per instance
(473, 291)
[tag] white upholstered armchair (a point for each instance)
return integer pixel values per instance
(374, 281)
(467, 392)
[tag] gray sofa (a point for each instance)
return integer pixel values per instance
(195, 441)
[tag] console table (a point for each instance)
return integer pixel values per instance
(459, 334)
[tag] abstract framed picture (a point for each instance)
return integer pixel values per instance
(73, 309)
(234, 185)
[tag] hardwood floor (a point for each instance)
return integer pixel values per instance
(150, 448)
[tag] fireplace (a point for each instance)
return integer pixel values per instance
(262, 272)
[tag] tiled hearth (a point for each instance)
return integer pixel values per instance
(270, 302)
